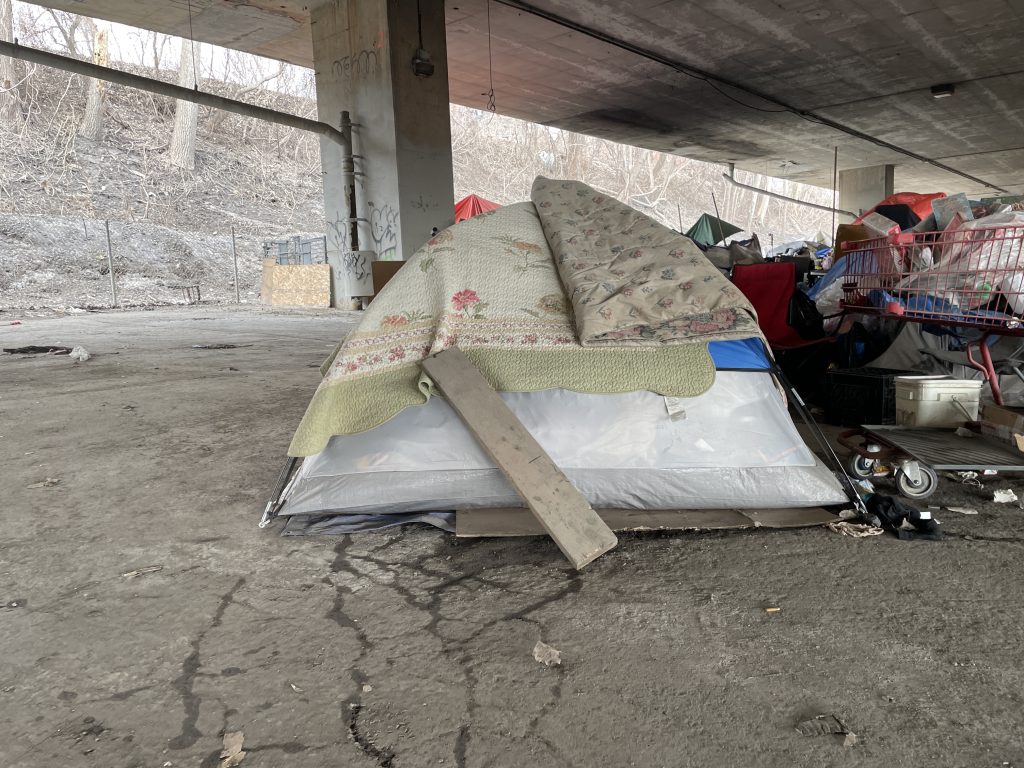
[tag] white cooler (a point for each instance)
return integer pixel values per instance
(936, 401)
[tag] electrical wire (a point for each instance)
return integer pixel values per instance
(491, 106)
(714, 81)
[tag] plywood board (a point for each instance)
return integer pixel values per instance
(267, 281)
(557, 506)
(470, 523)
(296, 285)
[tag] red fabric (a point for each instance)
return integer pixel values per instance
(471, 206)
(769, 287)
(921, 204)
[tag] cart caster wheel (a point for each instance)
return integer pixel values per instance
(922, 489)
(860, 466)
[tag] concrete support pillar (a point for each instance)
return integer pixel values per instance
(363, 53)
(860, 189)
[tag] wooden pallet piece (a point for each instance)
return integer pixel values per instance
(562, 511)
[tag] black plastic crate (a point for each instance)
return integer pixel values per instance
(858, 396)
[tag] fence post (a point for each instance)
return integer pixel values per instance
(110, 266)
(234, 256)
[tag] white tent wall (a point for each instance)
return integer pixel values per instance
(735, 446)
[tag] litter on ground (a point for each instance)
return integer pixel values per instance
(546, 655)
(1004, 496)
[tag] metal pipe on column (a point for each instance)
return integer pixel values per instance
(348, 172)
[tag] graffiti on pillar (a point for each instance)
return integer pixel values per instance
(384, 230)
(357, 265)
(338, 234)
(360, 64)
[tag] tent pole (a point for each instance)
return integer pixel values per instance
(270, 512)
(801, 408)
(718, 220)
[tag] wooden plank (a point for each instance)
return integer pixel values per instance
(509, 521)
(562, 511)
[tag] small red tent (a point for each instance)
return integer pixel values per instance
(921, 204)
(471, 206)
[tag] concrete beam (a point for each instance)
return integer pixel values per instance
(88, 69)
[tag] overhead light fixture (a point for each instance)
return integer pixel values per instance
(422, 66)
(943, 91)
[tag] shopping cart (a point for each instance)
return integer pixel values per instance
(967, 281)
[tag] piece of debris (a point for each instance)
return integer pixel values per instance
(856, 530)
(965, 432)
(965, 478)
(141, 571)
(47, 483)
(1004, 496)
(15, 322)
(367, 688)
(825, 725)
(963, 510)
(219, 346)
(772, 610)
(35, 349)
(546, 655)
(295, 688)
(79, 354)
(232, 754)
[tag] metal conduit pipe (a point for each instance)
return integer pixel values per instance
(777, 196)
(88, 69)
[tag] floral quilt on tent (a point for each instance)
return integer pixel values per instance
(489, 285)
(632, 280)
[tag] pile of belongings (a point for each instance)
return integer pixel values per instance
(637, 366)
(961, 261)
(708, 231)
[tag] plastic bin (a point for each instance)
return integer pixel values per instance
(858, 396)
(936, 401)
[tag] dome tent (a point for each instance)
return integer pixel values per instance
(642, 374)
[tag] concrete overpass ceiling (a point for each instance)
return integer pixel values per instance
(867, 64)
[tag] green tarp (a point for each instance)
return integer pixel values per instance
(709, 230)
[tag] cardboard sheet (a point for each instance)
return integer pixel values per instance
(472, 523)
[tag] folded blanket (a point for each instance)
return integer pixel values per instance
(631, 280)
(490, 286)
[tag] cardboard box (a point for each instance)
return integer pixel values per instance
(1005, 424)
(383, 271)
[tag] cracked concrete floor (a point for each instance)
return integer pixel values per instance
(414, 649)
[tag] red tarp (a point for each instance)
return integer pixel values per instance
(471, 206)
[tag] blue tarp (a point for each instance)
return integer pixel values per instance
(746, 354)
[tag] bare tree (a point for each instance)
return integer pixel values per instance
(92, 122)
(182, 151)
(10, 104)
(66, 27)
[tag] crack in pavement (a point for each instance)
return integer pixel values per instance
(185, 682)
(454, 650)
